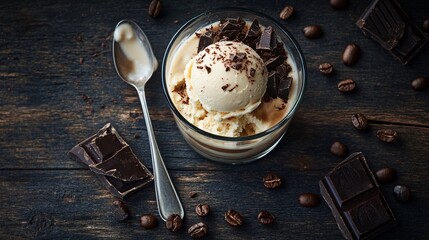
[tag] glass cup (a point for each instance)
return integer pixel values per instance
(234, 150)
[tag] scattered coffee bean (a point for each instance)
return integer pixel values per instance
(326, 68)
(155, 8)
(272, 180)
(339, 149)
(402, 193)
(312, 31)
(193, 194)
(387, 135)
(233, 218)
(119, 210)
(174, 223)
(308, 199)
(198, 230)
(351, 54)
(359, 121)
(137, 136)
(386, 175)
(265, 217)
(339, 4)
(346, 85)
(202, 210)
(81, 60)
(426, 25)
(287, 12)
(148, 221)
(420, 83)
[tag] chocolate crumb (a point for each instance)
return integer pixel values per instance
(81, 60)
(224, 87)
(193, 194)
(230, 90)
(227, 69)
(208, 69)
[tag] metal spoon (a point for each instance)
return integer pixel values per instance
(167, 199)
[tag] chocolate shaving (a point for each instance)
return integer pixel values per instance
(230, 90)
(224, 87)
(251, 72)
(208, 69)
(236, 65)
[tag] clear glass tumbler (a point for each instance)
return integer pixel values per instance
(234, 150)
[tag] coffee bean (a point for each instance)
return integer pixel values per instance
(148, 221)
(346, 85)
(359, 121)
(420, 83)
(425, 25)
(326, 68)
(119, 210)
(402, 193)
(386, 175)
(193, 194)
(272, 180)
(174, 223)
(265, 217)
(155, 8)
(351, 54)
(202, 210)
(198, 230)
(312, 31)
(387, 135)
(338, 4)
(233, 218)
(287, 12)
(308, 199)
(339, 149)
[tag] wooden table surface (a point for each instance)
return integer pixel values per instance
(58, 86)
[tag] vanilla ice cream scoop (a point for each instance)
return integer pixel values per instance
(227, 77)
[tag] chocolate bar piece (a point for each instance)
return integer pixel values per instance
(385, 22)
(354, 197)
(113, 162)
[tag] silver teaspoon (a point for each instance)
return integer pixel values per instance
(135, 62)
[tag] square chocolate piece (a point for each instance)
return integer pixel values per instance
(352, 193)
(113, 162)
(386, 22)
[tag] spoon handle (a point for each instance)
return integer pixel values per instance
(166, 196)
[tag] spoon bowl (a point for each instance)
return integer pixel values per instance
(135, 63)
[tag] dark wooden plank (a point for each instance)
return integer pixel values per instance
(45, 111)
(72, 204)
(49, 101)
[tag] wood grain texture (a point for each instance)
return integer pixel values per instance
(58, 86)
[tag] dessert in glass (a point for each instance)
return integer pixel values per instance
(233, 79)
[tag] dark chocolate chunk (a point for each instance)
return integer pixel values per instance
(354, 197)
(273, 62)
(272, 85)
(206, 39)
(267, 40)
(124, 166)
(284, 86)
(230, 28)
(113, 162)
(386, 22)
(252, 33)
